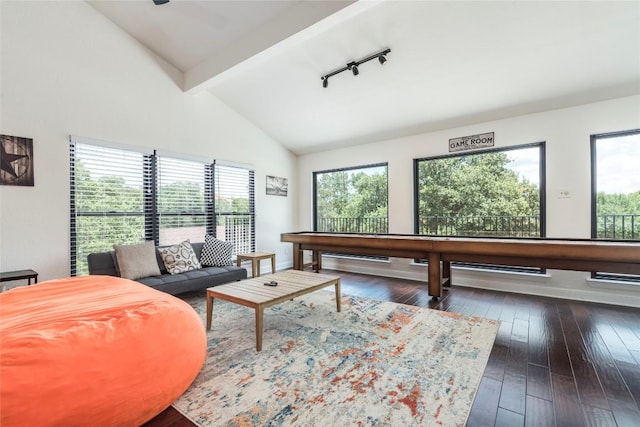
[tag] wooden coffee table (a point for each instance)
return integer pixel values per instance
(253, 293)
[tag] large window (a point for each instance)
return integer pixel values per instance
(351, 200)
(121, 196)
(109, 196)
(494, 193)
(234, 206)
(615, 206)
(184, 186)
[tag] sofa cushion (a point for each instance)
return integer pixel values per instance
(195, 280)
(180, 258)
(137, 261)
(215, 252)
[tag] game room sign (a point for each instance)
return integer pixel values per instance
(471, 142)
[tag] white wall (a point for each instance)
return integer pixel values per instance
(65, 69)
(567, 135)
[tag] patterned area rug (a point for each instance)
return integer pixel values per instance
(376, 363)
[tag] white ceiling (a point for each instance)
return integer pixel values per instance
(452, 63)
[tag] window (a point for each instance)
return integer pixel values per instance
(493, 193)
(235, 206)
(615, 201)
(183, 188)
(121, 196)
(352, 200)
(109, 189)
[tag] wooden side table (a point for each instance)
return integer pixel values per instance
(8, 276)
(255, 258)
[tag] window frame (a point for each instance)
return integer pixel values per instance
(147, 175)
(541, 145)
(156, 215)
(594, 207)
(315, 206)
(344, 169)
(150, 194)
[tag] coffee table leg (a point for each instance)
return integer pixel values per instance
(209, 311)
(338, 295)
(259, 326)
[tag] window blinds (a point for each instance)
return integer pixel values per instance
(109, 189)
(183, 200)
(121, 196)
(234, 190)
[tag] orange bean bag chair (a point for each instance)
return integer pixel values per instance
(94, 350)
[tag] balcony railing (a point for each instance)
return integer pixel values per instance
(353, 225)
(481, 226)
(237, 229)
(614, 227)
(619, 227)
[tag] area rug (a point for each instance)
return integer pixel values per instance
(376, 363)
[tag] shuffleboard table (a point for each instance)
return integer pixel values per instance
(563, 254)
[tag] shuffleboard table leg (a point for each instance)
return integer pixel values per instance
(435, 284)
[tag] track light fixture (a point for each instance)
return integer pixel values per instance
(353, 66)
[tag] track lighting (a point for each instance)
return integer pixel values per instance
(353, 66)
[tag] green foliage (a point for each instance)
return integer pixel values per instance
(474, 186)
(116, 211)
(180, 197)
(618, 204)
(333, 193)
(476, 195)
(618, 215)
(352, 201)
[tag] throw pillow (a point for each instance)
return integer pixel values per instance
(137, 261)
(216, 253)
(180, 258)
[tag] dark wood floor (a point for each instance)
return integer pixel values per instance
(554, 362)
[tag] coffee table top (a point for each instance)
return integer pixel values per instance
(291, 283)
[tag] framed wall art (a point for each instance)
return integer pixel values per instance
(16, 156)
(277, 186)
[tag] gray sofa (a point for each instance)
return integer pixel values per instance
(105, 263)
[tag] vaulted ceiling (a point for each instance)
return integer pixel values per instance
(452, 63)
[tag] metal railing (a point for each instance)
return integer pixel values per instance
(481, 226)
(353, 225)
(618, 227)
(613, 227)
(237, 229)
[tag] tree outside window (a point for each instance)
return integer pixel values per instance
(616, 186)
(615, 200)
(489, 194)
(353, 200)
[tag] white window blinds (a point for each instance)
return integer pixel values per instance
(120, 196)
(184, 200)
(108, 193)
(234, 189)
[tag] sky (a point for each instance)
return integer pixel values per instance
(618, 163)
